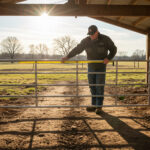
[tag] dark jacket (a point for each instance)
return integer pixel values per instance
(95, 49)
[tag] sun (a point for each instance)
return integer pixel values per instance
(44, 15)
(43, 21)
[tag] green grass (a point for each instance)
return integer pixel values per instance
(123, 78)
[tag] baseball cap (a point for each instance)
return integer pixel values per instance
(92, 29)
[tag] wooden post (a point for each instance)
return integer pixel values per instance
(148, 65)
(148, 56)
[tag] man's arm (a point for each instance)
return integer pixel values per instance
(112, 49)
(77, 50)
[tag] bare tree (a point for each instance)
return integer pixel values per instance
(42, 49)
(32, 50)
(138, 54)
(63, 45)
(122, 53)
(11, 46)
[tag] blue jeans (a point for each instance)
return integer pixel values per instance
(97, 79)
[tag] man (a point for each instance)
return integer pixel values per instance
(97, 47)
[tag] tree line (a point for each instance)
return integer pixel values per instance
(136, 55)
(11, 48)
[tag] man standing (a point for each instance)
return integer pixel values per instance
(97, 47)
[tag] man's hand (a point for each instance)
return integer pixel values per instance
(64, 59)
(106, 61)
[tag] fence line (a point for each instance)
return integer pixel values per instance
(77, 73)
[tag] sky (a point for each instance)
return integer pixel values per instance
(43, 29)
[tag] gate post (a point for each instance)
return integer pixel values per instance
(36, 88)
(116, 85)
(77, 81)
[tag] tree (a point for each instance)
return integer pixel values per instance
(138, 54)
(63, 45)
(122, 53)
(11, 46)
(42, 49)
(32, 50)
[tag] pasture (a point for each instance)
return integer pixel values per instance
(53, 76)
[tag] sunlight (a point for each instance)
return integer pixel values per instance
(43, 22)
(44, 15)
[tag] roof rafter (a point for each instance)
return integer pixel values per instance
(131, 3)
(138, 21)
(129, 27)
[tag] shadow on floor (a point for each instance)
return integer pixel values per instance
(134, 138)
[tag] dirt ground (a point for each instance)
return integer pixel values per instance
(72, 128)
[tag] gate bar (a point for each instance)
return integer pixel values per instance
(71, 72)
(73, 61)
(74, 106)
(74, 95)
(32, 85)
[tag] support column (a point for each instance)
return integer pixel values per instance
(148, 65)
(148, 57)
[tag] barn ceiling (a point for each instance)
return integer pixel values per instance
(130, 14)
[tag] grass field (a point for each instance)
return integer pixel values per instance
(123, 78)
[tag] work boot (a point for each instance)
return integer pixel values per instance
(90, 109)
(98, 110)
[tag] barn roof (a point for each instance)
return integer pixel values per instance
(130, 14)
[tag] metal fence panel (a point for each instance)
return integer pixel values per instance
(77, 84)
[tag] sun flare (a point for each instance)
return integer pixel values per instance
(44, 23)
(44, 14)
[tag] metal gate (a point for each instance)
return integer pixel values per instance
(116, 71)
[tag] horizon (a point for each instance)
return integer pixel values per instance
(43, 29)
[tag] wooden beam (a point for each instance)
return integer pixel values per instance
(82, 2)
(131, 3)
(11, 1)
(108, 2)
(119, 18)
(71, 2)
(5, 1)
(17, 1)
(138, 21)
(121, 25)
(74, 10)
(77, 2)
